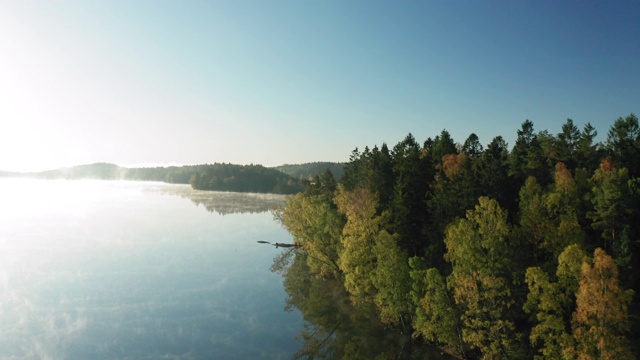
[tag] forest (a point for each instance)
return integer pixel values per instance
(309, 170)
(244, 178)
(529, 252)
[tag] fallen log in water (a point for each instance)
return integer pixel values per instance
(285, 245)
(278, 244)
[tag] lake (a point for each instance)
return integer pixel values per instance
(142, 270)
(135, 270)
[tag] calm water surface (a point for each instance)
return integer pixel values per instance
(133, 270)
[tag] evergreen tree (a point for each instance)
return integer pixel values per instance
(441, 145)
(587, 150)
(453, 192)
(611, 207)
(352, 171)
(526, 158)
(407, 207)
(548, 219)
(561, 203)
(472, 146)
(567, 143)
(623, 144)
(382, 180)
(535, 225)
(493, 174)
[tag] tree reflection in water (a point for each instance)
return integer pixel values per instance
(225, 203)
(334, 328)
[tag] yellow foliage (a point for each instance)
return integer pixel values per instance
(601, 316)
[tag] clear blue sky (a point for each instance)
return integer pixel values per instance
(274, 82)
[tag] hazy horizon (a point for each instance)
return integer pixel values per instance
(143, 165)
(279, 82)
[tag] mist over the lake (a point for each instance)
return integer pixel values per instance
(100, 269)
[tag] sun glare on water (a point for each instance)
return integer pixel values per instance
(25, 197)
(32, 211)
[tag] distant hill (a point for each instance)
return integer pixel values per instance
(309, 170)
(221, 177)
(9, 174)
(100, 171)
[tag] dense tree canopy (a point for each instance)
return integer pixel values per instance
(485, 250)
(309, 170)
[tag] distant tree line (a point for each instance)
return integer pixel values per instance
(528, 252)
(220, 177)
(244, 178)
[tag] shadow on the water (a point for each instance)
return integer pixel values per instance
(334, 328)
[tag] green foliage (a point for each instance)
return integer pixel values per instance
(244, 178)
(323, 184)
(567, 143)
(544, 301)
(549, 219)
(407, 207)
(485, 301)
(612, 206)
(371, 169)
(481, 250)
(472, 146)
(478, 247)
(316, 226)
(568, 272)
(527, 158)
(313, 169)
(492, 173)
(440, 146)
(587, 150)
(480, 242)
(334, 329)
(437, 316)
(623, 144)
(534, 221)
(590, 290)
(357, 259)
(376, 269)
(391, 279)
(454, 189)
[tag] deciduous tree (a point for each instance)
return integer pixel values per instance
(477, 248)
(437, 315)
(601, 317)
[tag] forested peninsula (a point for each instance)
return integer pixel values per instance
(494, 253)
